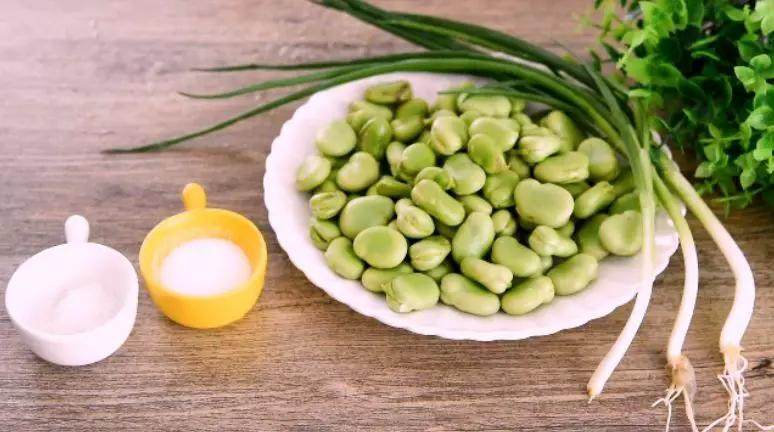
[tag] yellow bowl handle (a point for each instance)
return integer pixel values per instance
(194, 197)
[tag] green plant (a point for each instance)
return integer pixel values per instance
(705, 68)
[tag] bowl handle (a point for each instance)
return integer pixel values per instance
(194, 197)
(76, 229)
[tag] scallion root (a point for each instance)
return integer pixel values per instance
(683, 384)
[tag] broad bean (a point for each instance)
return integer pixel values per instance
(543, 204)
(474, 237)
(363, 212)
(429, 253)
(494, 277)
(341, 258)
(467, 177)
(312, 172)
(374, 279)
(434, 200)
(528, 295)
(411, 292)
(574, 274)
(468, 296)
(360, 172)
(621, 234)
(521, 260)
(547, 242)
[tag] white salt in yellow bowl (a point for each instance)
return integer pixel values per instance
(199, 221)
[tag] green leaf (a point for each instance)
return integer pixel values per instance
(665, 74)
(748, 47)
(761, 63)
(764, 148)
(767, 24)
(655, 17)
(705, 54)
(747, 178)
(762, 118)
(704, 170)
(747, 76)
(734, 14)
(695, 12)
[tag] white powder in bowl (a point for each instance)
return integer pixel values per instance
(204, 267)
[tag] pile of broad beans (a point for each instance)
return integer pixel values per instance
(468, 201)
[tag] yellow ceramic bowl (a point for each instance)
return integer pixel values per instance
(198, 221)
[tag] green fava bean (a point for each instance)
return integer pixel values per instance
(441, 270)
(467, 176)
(577, 188)
(567, 229)
(566, 129)
(438, 114)
(528, 295)
(503, 132)
(436, 174)
(389, 93)
(374, 136)
(414, 222)
(504, 223)
(593, 200)
(522, 119)
(535, 148)
(326, 205)
(448, 134)
(517, 105)
(527, 225)
(342, 260)
(629, 201)
(374, 279)
(363, 212)
(484, 152)
(360, 172)
(474, 237)
(361, 111)
(588, 237)
(546, 241)
(517, 164)
(468, 296)
(499, 188)
(416, 157)
(573, 275)
(603, 162)
(494, 277)
(545, 263)
(393, 224)
(445, 230)
(543, 204)
(391, 187)
(431, 198)
(621, 234)
(336, 139)
(322, 232)
(569, 167)
(521, 260)
(488, 105)
(474, 203)
(411, 292)
(429, 253)
(405, 129)
(394, 154)
(381, 246)
(469, 116)
(329, 185)
(416, 107)
(312, 172)
(624, 183)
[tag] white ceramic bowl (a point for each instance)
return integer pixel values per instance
(289, 216)
(50, 274)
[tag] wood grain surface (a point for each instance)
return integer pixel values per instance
(77, 77)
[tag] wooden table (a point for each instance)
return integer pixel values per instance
(79, 77)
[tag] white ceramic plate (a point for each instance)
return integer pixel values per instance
(289, 217)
